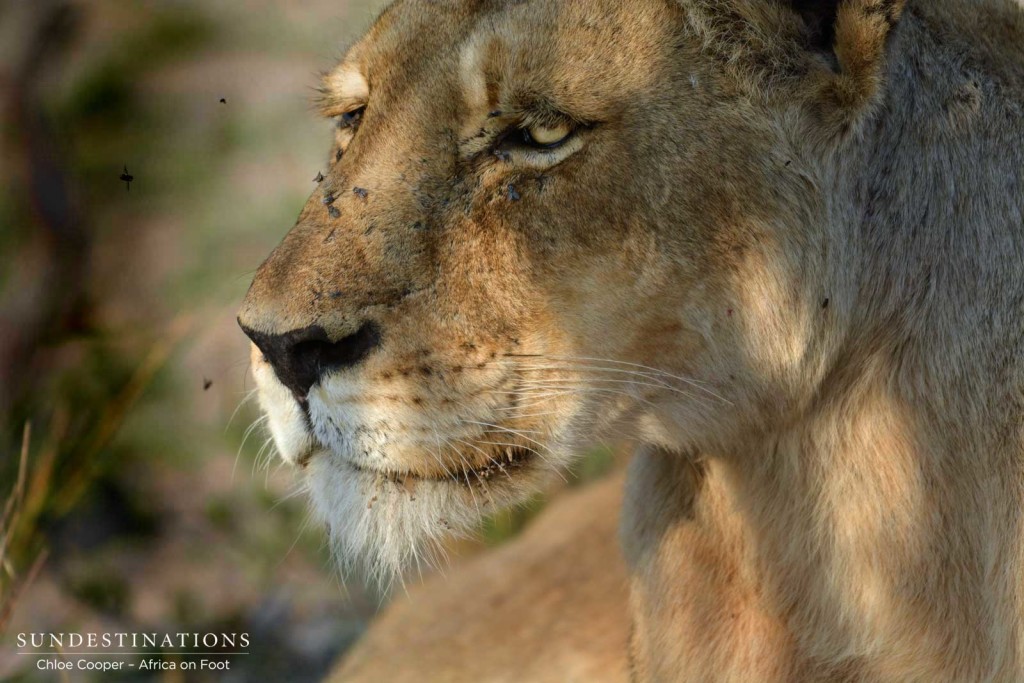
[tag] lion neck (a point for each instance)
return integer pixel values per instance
(837, 545)
(879, 519)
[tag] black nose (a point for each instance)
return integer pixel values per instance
(300, 358)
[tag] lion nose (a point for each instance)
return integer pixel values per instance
(301, 358)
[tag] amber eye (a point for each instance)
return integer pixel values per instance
(547, 137)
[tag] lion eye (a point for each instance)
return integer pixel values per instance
(351, 119)
(547, 137)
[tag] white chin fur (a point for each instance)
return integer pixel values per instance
(382, 527)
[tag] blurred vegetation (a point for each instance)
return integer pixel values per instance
(60, 373)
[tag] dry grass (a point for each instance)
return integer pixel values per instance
(22, 545)
(12, 581)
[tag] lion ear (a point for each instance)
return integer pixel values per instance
(854, 35)
(854, 30)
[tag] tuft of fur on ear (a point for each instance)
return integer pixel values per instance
(855, 34)
(862, 32)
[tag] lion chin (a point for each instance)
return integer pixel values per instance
(383, 524)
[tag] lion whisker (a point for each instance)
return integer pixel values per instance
(264, 455)
(662, 373)
(307, 519)
(583, 389)
(248, 397)
(520, 434)
(245, 437)
(437, 456)
(465, 472)
(659, 380)
(303, 488)
(541, 382)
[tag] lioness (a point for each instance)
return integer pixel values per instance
(778, 242)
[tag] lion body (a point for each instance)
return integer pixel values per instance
(781, 246)
(550, 606)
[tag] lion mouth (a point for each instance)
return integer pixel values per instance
(510, 460)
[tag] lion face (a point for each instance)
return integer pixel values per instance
(539, 220)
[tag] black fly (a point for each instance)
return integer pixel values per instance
(127, 178)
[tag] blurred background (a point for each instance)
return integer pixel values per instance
(154, 152)
(156, 507)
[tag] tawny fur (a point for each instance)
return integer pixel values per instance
(549, 607)
(793, 271)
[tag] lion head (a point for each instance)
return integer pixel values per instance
(542, 221)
